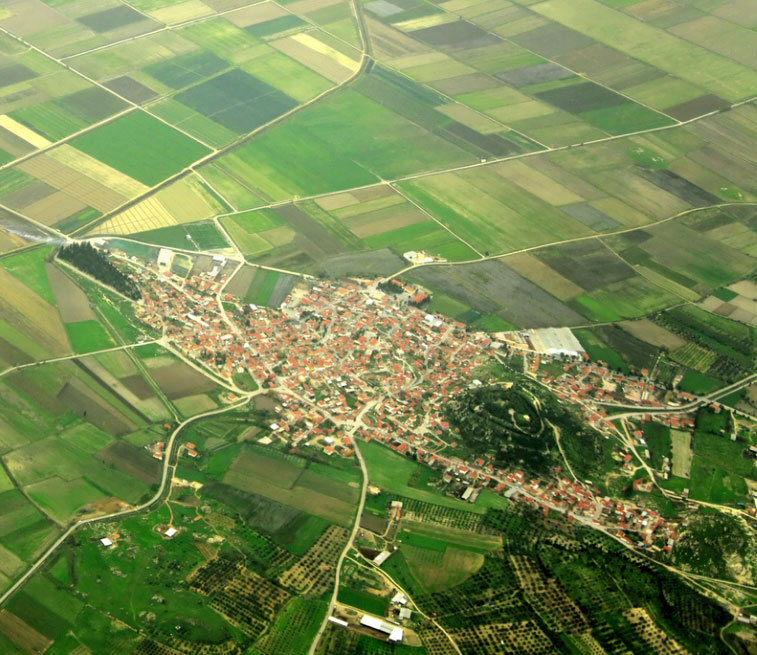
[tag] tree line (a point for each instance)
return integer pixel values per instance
(94, 262)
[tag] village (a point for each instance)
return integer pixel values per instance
(359, 359)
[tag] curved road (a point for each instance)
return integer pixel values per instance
(165, 486)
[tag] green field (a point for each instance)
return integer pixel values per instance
(260, 292)
(697, 383)
(345, 141)
(658, 441)
(598, 350)
(718, 468)
(287, 481)
(88, 336)
(86, 437)
(137, 145)
(61, 498)
(362, 600)
(5, 482)
(29, 267)
(392, 472)
(188, 236)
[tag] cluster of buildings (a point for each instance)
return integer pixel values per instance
(349, 360)
(592, 381)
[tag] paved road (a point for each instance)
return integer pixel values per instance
(681, 409)
(355, 528)
(64, 358)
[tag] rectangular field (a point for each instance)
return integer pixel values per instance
(141, 147)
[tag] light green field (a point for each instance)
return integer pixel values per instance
(346, 141)
(118, 363)
(5, 482)
(137, 145)
(687, 61)
(391, 472)
(86, 437)
(236, 193)
(29, 267)
(61, 498)
(88, 336)
(287, 75)
(490, 213)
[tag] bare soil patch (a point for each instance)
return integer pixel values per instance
(138, 386)
(377, 262)
(646, 330)
(180, 379)
(696, 107)
(82, 400)
(132, 461)
(73, 303)
(241, 281)
(492, 288)
(12, 355)
(32, 192)
(130, 89)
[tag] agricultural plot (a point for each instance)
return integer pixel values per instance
(380, 217)
(253, 472)
(636, 353)
(258, 233)
(719, 347)
(653, 334)
(259, 286)
(29, 323)
(187, 200)
(492, 289)
(189, 236)
(333, 146)
(678, 57)
(61, 117)
(237, 101)
(88, 336)
(557, 85)
(188, 389)
(309, 574)
(132, 388)
(61, 477)
(718, 469)
(41, 102)
(68, 29)
(736, 301)
(703, 265)
(312, 235)
(136, 145)
(65, 187)
(392, 473)
(682, 453)
(23, 530)
(599, 351)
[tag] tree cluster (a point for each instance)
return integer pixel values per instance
(493, 420)
(92, 261)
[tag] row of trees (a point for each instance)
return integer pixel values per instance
(93, 262)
